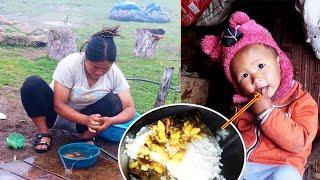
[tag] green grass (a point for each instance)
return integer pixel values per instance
(14, 68)
(10, 29)
(89, 17)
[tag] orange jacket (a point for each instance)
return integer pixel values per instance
(286, 136)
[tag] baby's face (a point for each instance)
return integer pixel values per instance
(256, 68)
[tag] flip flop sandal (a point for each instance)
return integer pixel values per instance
(38, 142)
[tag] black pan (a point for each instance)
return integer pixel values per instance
(233, 155)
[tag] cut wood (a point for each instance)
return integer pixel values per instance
(146, 42)
(20, 39)
(194, 90)
(61, 43)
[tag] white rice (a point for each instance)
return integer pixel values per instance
(222, 134)
(201, 160)
(133, 145)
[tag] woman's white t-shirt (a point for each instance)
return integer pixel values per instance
(70, 73)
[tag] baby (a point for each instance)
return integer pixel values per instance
(278, 130)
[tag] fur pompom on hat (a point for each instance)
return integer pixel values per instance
(244, 31)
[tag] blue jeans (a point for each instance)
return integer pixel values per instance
(256, 171)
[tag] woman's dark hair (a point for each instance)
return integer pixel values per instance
(101, 46)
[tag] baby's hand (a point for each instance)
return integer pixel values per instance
(262, 104)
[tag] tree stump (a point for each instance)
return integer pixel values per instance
(164, 87)
(61, 43)
(147, 41)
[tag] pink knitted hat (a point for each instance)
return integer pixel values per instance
(252, 33)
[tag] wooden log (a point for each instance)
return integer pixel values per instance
(146, 42)
(61, 42)
(20, 39)
(164, 87)
(194, 90)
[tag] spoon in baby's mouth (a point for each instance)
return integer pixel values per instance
(257, 96)
(263, 90)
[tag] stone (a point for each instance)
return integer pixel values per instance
(3, 116)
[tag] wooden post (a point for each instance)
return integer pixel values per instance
(164, 87)
(61, 43)
(146, 42)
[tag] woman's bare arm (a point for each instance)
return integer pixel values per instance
(127, 113)
(63, 109)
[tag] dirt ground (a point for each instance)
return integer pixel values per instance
(33, 53)
(17, 121)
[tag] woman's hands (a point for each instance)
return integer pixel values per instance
(96, 123)
(93, 122)
(263, 103)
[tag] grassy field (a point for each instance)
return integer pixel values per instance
(87, 17)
